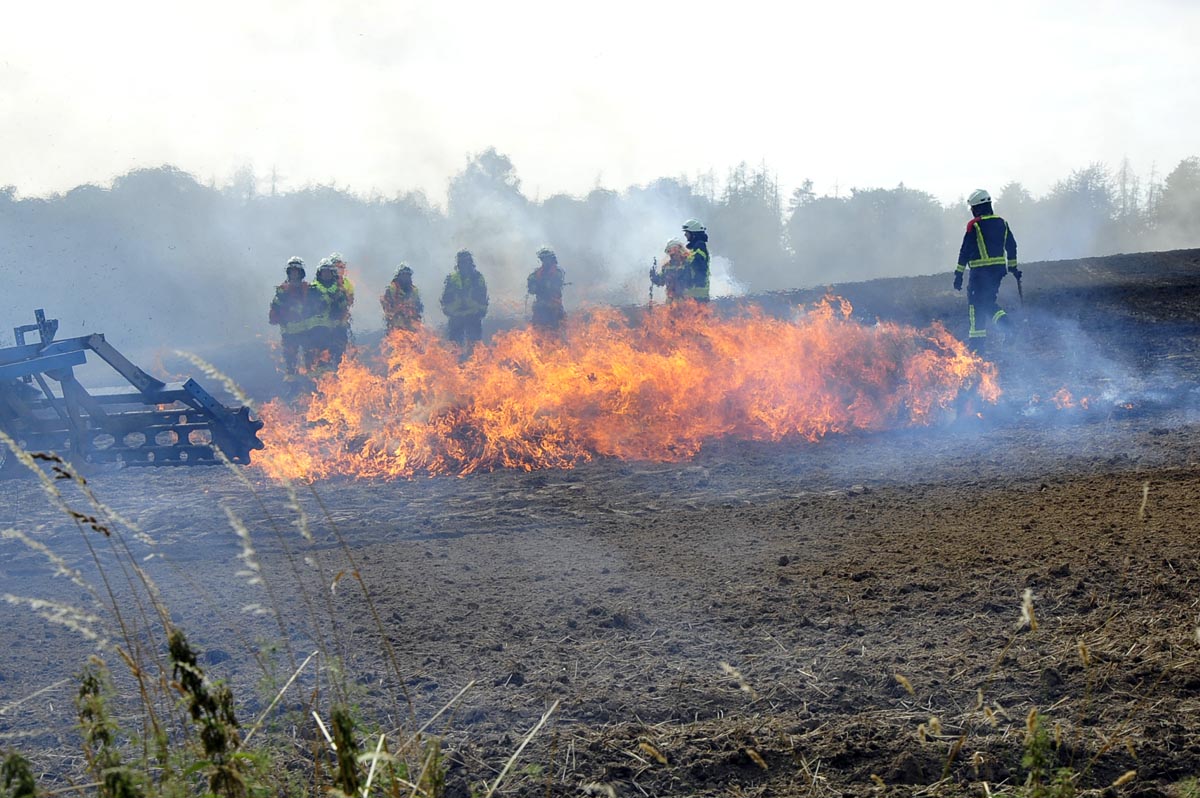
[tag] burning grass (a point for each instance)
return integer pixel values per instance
(654, 391)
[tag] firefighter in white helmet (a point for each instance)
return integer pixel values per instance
(401, 302)
(674, 271)
(697, 261)
(465, 302)
(988, 252)
(546, 284)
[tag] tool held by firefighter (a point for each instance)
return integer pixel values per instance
(653, 268)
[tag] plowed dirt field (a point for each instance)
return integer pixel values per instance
(839, 618)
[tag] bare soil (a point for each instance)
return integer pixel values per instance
(843, 618)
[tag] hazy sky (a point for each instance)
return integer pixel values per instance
(393, 96)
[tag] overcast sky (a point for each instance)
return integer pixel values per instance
(394, 96)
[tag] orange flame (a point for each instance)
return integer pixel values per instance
(1062, 399)
(653, 391)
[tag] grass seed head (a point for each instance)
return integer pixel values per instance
(1125, 778)
(756, 758)
(652, 752)
(1028, 618)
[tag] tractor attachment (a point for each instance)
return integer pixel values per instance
(158, 424)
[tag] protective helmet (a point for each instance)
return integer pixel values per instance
(693, 226)
(296, 260)
(325, 262)
(545, 252)
(673, 243)
(403, 269)
(464, 256)
(978, 197)
(336, 259)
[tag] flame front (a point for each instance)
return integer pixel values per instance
(652, 391)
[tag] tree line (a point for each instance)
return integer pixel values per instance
(162, 255)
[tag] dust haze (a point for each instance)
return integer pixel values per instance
(160, 259)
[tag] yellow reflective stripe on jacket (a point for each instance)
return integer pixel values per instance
(984, 259)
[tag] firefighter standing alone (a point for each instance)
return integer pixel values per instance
(988, 249)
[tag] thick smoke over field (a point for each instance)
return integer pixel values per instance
(162, 259)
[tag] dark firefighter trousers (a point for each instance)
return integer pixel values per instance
(983, 285)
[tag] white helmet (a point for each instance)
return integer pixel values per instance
(693, 226)
(673, 243)
(336, 257)
(546, 252)
(978, 197)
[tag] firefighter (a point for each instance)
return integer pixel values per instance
(291, 309)
(339, 263)
(402, 307)
(988, 249)
(546, 284)
(331, 321)
(465, 301)
(697, 260)
(674, 273)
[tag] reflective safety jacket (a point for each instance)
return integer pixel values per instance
(333, 305)
(987, 242)
(291, 307)
(464, 295)
(401, 309)
(674, 275)
(697, 266)
(546, 285)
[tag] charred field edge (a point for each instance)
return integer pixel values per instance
(1004, 607)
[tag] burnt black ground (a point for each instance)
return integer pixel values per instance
(745, 615)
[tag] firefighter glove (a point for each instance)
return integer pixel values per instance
(958, 281)
(1016, 273)
(653, 272)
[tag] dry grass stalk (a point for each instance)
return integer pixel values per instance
(247, 555)
(906, 684)
(214, 373)
(275, 700)
(742, 684)
(755, 757)
(60, 565)
(508, 765)
(652, 752)
(64, 615)
(1028, 618)
(1125, 778)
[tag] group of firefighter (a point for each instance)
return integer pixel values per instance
(314, 317)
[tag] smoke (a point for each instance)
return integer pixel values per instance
(160, 260)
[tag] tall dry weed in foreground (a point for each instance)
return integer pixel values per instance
(164, 758)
